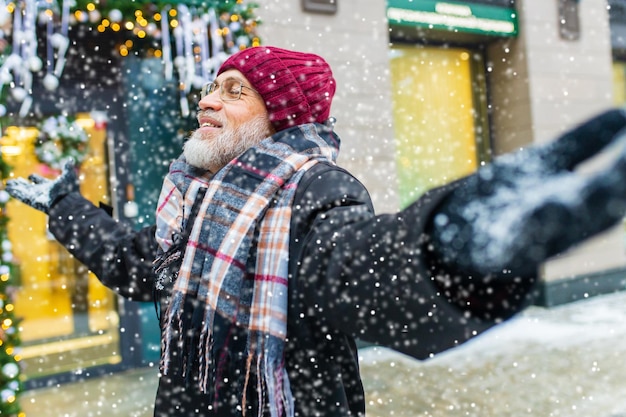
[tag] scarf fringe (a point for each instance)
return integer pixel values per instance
(173, 321)
(272, 380)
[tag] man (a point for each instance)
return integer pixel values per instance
(269, 260)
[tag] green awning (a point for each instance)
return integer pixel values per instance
(453, 16)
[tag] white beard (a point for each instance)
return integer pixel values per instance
(215, 152)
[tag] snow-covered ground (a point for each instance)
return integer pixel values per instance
(562, 362)
(565, 361)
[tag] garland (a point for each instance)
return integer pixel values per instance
(145, 22)
(61, 139)
(11, 377)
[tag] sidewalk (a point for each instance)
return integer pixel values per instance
(565, 361)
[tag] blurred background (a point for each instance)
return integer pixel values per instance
(427, 92)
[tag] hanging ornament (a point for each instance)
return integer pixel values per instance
(50, 82)
(7, 395)
(116, 15)
(192, 38)
(19, 94)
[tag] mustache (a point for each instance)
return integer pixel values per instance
(212, 114)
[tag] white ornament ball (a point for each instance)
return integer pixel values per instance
(95, 16)
(3, 112)
(6, 395)
(13, 61)
(7, 245)
(11, 370)
(19, 94)
(151, 29)
(4, 196)
(7, 257)
(4, 269)
(198, 82)
(179, 61)
(57, 40)
(116, 16)
(35, 64)
(50, 82)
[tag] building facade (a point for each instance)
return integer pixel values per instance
(408, 70)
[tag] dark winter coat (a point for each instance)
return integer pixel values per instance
(353, 275)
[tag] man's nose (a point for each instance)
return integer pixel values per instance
(211, 101)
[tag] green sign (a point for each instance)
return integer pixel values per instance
(453, 16)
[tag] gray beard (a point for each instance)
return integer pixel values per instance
(213, 153)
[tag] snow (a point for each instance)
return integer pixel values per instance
(562, 361)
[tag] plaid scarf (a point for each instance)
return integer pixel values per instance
(233, 277)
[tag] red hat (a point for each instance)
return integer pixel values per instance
(297, 87)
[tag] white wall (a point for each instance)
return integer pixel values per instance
(354, 41)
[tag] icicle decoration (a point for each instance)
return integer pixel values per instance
(166, 45)
(193, 48)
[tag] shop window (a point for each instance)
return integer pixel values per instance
(439, 102)
(569, 20)
(68, 319)
(320, 6)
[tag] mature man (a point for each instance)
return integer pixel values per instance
(268, 261)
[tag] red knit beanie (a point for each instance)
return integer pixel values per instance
(297, 87)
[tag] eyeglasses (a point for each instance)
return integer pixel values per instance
(230, 89)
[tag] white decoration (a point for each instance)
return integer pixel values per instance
(35, 64)
(10, 370)
(95, 16)
(4, 196)
(13, 61)
(7, 394)
(3, 112)
(57, 40)
(131, 209)
(116, 16)
(5, 16)
(19, 94)
(199, 81)
(5, 77)
(50, 82)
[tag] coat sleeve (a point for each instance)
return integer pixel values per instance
(374, 277)
(118, 255)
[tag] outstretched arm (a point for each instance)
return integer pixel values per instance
(463, 257)
(529, 206)
(119, 256)
(371, 277)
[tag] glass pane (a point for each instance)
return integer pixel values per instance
(434, 117)
(69, 319)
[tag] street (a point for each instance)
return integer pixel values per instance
(560, 362)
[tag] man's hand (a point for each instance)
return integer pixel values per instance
(528, 206)
(39, 192)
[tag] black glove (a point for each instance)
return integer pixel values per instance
(528, 206)
(41, 193)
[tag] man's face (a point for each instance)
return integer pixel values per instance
(227, 127)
